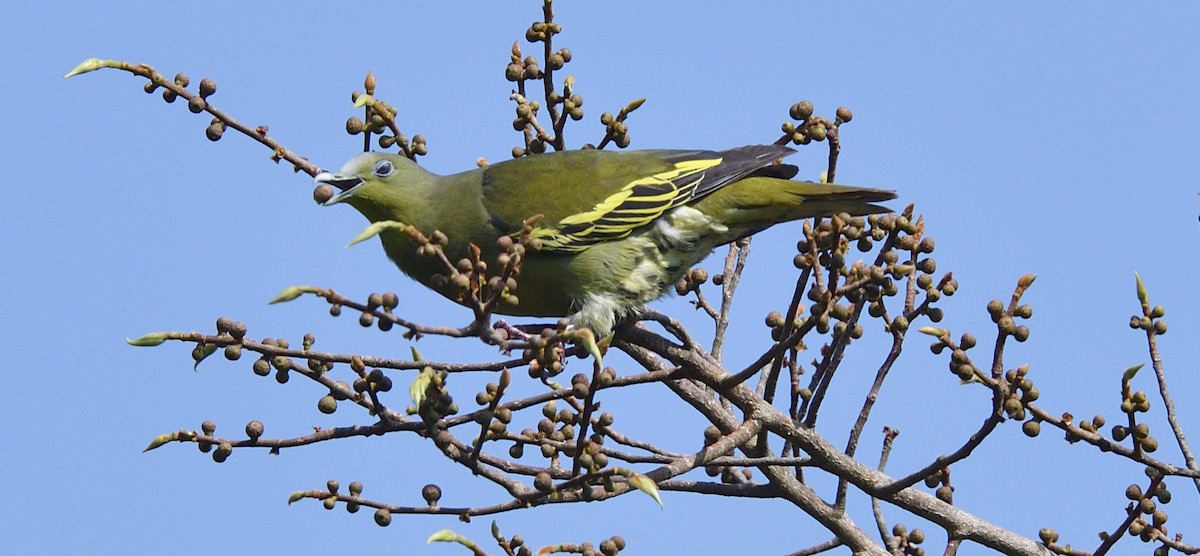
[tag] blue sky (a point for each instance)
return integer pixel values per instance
(1034, 138)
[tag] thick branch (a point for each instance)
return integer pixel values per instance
(958, 523)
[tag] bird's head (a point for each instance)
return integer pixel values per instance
(379, 185)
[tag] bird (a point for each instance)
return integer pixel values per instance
(617, 229)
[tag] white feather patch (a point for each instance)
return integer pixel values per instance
(679, 239)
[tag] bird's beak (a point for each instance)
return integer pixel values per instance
(345, 185)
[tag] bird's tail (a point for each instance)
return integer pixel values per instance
(759, 202)
(824, 199)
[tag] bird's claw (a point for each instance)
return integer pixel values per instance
(582, 337)
(513, 331)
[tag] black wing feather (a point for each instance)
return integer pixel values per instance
(743, 162)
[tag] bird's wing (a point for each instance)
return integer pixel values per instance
(599, 196)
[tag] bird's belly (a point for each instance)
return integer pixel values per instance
(612, 279)
(597, 286)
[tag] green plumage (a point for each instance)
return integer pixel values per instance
(617, 228)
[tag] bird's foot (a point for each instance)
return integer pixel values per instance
(519, 332)
(582, 337)
(513, 332)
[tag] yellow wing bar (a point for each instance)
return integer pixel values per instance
(638, 203)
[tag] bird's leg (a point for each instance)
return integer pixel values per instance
(513, 332)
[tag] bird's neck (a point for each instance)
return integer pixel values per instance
(450, 204)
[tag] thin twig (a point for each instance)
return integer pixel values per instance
(299, 163)
(1131, 514)
(735, 263)
(1164, 392)
(819, 548)
(868, 404)
(889, 541)
(989, 425)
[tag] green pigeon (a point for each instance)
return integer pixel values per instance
(617, 229)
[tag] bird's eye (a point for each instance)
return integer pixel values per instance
(383, 168)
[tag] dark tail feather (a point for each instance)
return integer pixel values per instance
(826, 199)
(758, 202)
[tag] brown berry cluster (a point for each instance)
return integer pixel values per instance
(729, 474)
(561, 104)
(379, 118)
(616, 130)
(492, 418)
(546, 352)
(691, 281)
(808, 127)
(435, 402)
(1134, 402)
(1021, 392)
(842, 289)
(1150, 524)
(386, 301)
(1151, 321)
(468, 279)
(940, 480)
(908, 542)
